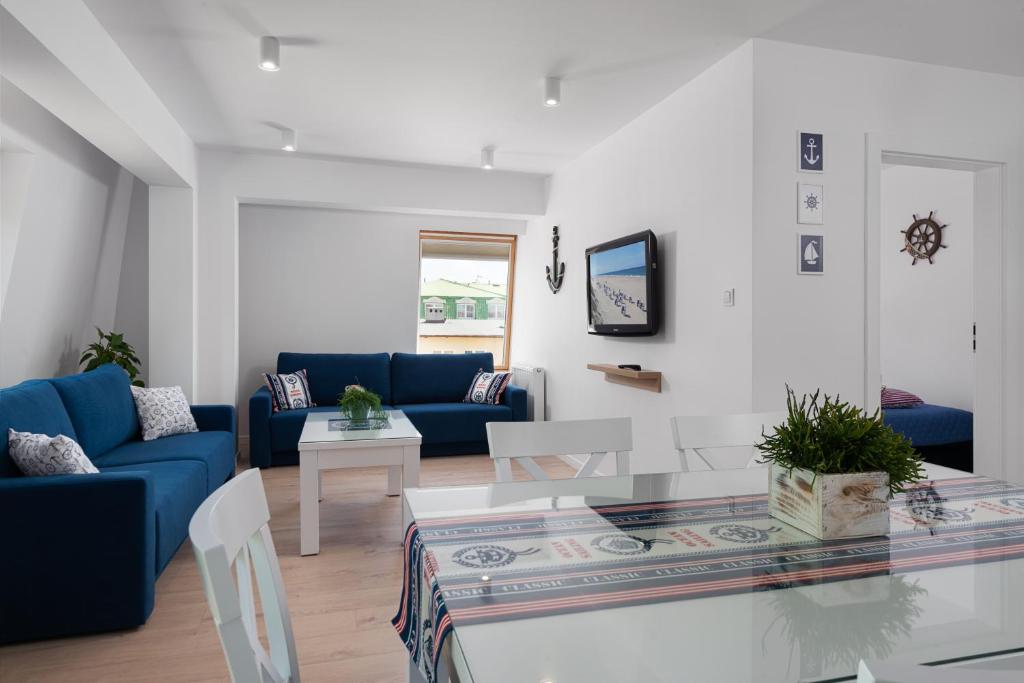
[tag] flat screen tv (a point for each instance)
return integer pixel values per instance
(622, 287)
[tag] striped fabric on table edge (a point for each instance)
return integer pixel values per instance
(423, 628)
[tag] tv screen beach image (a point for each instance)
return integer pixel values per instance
(618, 286)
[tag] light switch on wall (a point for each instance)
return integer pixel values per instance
(729, 297)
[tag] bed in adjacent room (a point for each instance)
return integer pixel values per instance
(941, 434)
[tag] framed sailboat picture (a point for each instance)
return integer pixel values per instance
(810, 254)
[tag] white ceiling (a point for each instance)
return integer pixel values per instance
(983, 35)
(433, 82)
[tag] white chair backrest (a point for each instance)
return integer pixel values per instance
(232, 542)
(698, 432)
(898, 672)
(523, 441)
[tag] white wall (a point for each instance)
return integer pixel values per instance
(683, 169)
(809, 331)
(927, 310)
(319, 280)
(227, 179)
(15, 174)
(64, 259)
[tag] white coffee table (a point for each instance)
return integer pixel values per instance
(396, 447)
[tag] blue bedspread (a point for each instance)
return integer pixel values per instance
(928, 425)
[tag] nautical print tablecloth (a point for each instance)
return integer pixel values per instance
(494, 567)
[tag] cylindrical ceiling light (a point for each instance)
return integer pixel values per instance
(552, 91)
(289, 140)
(270, 53)
(487, 158)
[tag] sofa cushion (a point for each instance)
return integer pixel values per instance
(178, 489)
(454, 422)
(289, 390)
(163, 411)
(286, 426)
(435, 378)
(330, 373)
(101, 408)
(214, 450)
(487, 387)
(32, 406)
(39, 455)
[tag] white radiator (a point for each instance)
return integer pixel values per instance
(532, 379)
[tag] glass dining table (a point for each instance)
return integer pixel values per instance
(685, 576)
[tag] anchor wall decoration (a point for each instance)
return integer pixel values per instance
(556, 271)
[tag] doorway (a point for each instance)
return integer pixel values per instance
(927, 308)
(936, 328)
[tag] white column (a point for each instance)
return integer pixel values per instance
(108, 268)
(172, 288)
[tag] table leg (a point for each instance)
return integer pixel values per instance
(414, 673)
(309, 508)
(410, 479)
(394, 480)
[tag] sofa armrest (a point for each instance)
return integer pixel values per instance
(215, 418)
(515, 398)
(260, 410)
(79, 554)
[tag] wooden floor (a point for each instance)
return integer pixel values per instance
(341, 600)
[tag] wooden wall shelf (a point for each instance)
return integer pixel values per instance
(649, 380)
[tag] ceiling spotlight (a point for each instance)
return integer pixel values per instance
(270, 53)
(289, 140)
(552, 91)
(487, 158)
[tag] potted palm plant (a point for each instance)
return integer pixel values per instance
(833, 468)
(358, 403)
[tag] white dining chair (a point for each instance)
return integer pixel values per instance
(523, 441)
(232, 542)
(898, 672)
(697, 433)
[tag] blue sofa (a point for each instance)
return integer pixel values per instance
(81, 552)
(428, 388)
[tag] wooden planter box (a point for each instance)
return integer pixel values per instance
(830, 506)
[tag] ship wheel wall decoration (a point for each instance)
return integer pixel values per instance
(923, 238)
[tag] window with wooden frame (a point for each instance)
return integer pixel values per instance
(465, 298)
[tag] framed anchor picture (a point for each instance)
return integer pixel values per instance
(810, 152)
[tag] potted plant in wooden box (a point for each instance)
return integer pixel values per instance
(833, 468)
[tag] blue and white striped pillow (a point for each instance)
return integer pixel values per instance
(487, 387)
(289, 391)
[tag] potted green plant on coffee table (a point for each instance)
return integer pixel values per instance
(358, 403)
(833, 468)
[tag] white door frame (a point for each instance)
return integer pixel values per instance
(997, 380)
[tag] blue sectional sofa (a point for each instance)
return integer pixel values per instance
(428, 388)
(81, 552)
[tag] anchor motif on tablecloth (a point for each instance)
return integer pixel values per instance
(488, 556)
(626, 544)
(556, 271)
